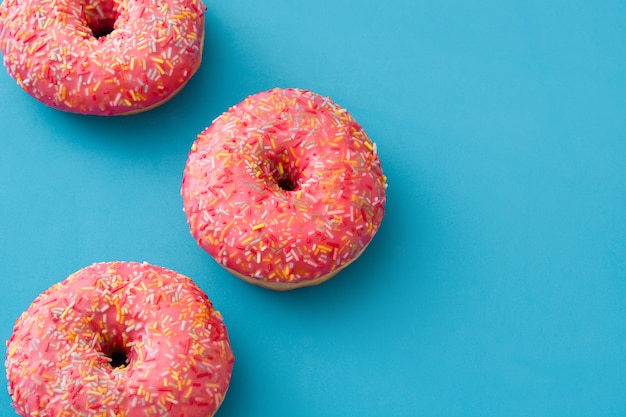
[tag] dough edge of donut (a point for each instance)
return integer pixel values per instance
(287, 286)
(178, 90)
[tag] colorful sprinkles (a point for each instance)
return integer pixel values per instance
(284, 188)
(102, 57)
(177, 359)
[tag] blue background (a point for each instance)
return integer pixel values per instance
(496, 285)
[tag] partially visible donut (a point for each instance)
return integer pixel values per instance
(102, 57)
(119, 339)
(285, 189)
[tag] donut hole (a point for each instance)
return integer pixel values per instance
(100, 17)
(285, 178)
(102, 29)
(118, 356)
(286, 183)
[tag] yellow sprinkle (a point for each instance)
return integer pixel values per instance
(159, 60)
(63, 93)
(324, 248)
(368, 145)
(258, 226)
(67, 309)
(280, 274)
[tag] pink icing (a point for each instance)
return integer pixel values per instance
(284, 187)
(50, 49)
(179, 360)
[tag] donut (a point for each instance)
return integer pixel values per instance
(119, 339)
(102, 57)
(284, 190)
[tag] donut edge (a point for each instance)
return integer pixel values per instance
(175, 92)
(287, 286)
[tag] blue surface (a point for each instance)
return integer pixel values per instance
(497, 283)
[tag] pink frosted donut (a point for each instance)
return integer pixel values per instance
(119, 339)
(284, 190)
(102, 57)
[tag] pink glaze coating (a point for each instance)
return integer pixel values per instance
(285, 187)
(50, 49)
(179, 361)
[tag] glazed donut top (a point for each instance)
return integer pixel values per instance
(53, 49)
(284, 187)
(179, 361)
